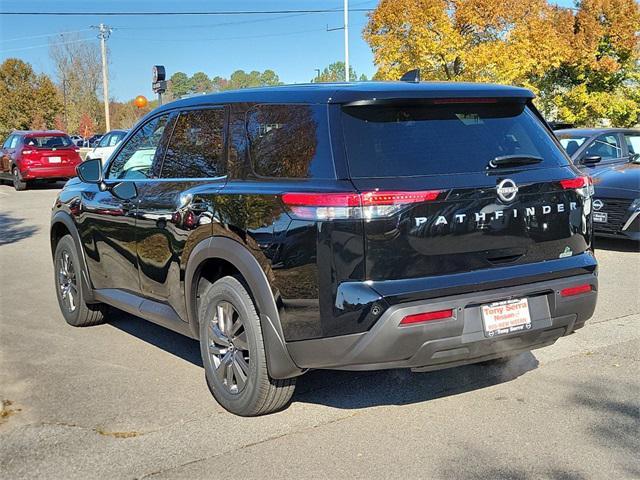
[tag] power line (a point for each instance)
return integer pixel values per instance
(192, 13)
(43, 35)
(46, 45)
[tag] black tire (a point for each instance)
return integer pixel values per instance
(254, 391)
(75, 311)
(18, 183)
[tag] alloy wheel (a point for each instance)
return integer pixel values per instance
(67, 281)
(228, 347)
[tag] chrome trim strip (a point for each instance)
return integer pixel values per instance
(631, 219)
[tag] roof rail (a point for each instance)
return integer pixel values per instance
(411, 76)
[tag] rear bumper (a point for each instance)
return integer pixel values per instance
(49, 172)
(456, 341)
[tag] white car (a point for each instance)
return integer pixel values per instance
(107, 145)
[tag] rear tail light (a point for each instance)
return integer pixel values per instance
(367, 205)
(583, 185)
(426, 317)
(572, 291)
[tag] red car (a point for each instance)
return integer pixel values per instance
(38, 155)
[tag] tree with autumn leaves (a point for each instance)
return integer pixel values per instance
(584, 64)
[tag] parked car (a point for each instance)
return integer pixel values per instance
(38, 155)
(93, 141)
(107, 145)
(354, 227)
(612, 158)
(77, 140)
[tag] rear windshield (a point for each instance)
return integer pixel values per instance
(53, 141)
(436, 139)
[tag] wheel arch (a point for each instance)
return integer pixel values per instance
(61, 225)
(230, 253)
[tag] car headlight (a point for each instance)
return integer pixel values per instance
(635, 205)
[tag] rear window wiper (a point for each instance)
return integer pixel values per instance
(513, 161)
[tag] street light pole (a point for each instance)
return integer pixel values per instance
(346, 40)
(104, 32)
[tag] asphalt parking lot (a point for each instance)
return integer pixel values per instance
(128, 399)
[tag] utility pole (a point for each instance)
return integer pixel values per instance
(345, 27)
(104, 32)
(346, 40)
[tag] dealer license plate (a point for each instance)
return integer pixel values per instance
(600, 217)
(55, 159)
(504, 317)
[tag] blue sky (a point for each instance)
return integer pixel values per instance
(292, 45)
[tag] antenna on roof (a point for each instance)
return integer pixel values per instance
(411, 76)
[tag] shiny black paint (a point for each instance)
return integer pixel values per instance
(327, 278)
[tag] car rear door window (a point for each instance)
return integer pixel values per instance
(289, 141)
(607, 147)
(135, 158)
(196, 147)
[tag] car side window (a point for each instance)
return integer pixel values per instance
(196, 146)
(289, 141)
(7, 142)
(633, 143)
(607, 147)
(136, 157)
(115, 139)
(104, 141)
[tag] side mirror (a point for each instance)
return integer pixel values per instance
(635, 158)
(124, 190)
(90, 171)
(591, 160)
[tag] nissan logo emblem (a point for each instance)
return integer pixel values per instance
(598, 204)
(507, 190)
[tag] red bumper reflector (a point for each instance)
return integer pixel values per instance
(571, 291)
(426, 317)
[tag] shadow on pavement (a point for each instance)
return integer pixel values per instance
(163, 338)
(615, 430)
(350, 390)
(13, 229)
(613, 244)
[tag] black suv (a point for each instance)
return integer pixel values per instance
(335, 226)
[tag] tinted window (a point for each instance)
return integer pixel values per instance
(136, 157)
(196, 147)
(289, 141)
(633, 143)
(52, 141)
(605, 146)
(407, 140)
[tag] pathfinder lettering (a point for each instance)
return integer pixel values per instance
(484, 216)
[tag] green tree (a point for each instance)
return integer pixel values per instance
(26, 100)
(335, 73)
(242, 79)
(200, 82)
(179, 85)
